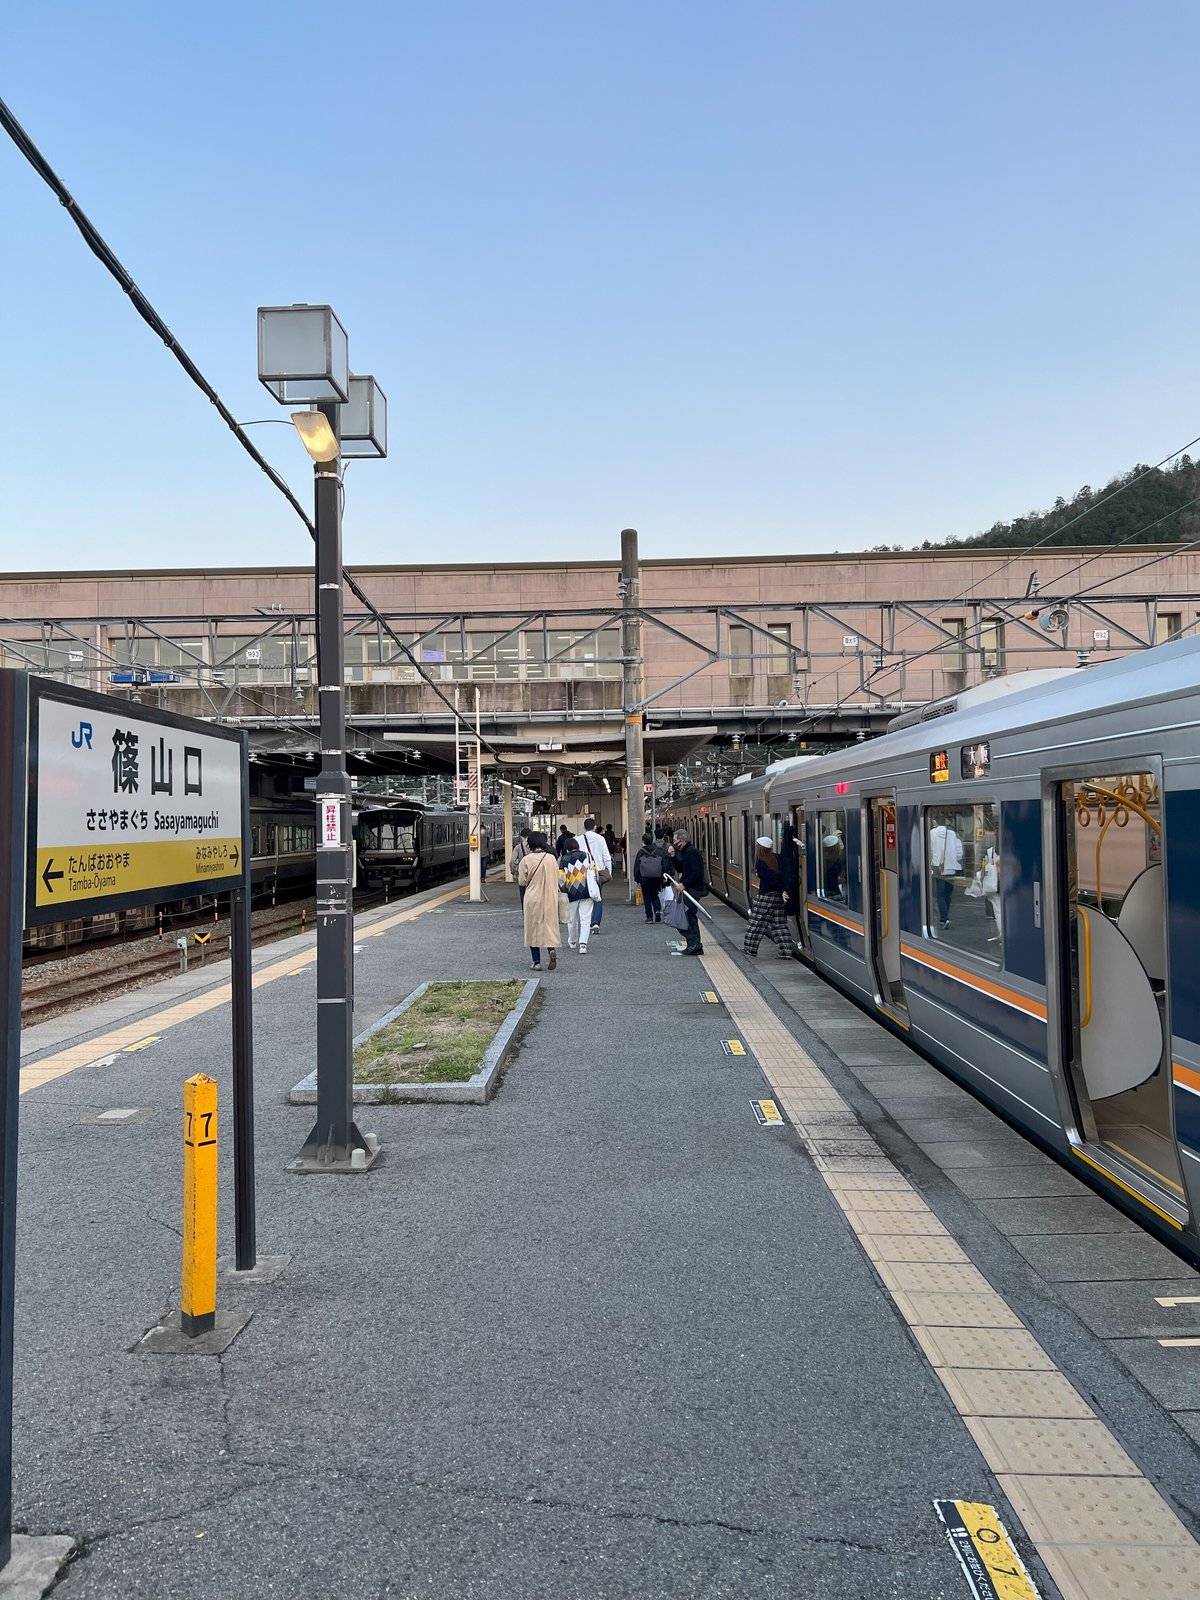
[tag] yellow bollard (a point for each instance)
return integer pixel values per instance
(198, 1301)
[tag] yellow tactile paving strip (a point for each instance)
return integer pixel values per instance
(1101, 1528)
(130, 1036)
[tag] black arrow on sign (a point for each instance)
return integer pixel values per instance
(237, 855)
(47, 875)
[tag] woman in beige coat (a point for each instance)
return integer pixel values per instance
(538, 876)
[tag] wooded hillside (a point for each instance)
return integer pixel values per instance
(1160, 509)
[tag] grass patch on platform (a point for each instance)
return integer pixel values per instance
(441, 1038)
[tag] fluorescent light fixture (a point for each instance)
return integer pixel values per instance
(316, 435)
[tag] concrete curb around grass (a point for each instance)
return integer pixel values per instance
(475, 1091)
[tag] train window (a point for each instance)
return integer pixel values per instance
(439, 836)
(255, 840)
(962, 861)
(733, 833)
(831, 854)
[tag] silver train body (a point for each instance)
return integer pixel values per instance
(1011, 881)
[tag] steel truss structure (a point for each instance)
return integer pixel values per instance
(861, 652)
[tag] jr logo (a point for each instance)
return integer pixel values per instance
(84, 736)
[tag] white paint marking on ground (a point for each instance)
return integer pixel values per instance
(118, 1114)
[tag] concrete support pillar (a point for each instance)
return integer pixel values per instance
(508, 831)
(631, 651)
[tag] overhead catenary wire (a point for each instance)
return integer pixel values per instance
(141, 304)
(1116, 577)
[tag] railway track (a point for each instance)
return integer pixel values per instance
(81, 980)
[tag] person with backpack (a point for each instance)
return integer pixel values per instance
(577, 879)
(649, 870)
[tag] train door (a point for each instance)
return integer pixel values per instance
(883, 911)
(1113, 1000)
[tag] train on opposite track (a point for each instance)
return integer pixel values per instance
(1010, 879)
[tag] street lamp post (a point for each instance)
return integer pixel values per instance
(303, 357)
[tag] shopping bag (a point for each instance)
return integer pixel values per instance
(675, 915)
(637, 899)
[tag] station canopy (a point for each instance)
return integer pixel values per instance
(408, 752)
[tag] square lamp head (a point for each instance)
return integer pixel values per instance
(303, 354)
(363, 420)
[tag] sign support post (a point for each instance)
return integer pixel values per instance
(241, 974)
(14, 754)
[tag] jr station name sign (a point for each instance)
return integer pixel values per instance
(126, 805)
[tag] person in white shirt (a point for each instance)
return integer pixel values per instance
(593, 843)
(945, 860)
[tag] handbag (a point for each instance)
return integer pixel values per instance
(674, 914)
(989, 880)
(602, 874)
(564, 907)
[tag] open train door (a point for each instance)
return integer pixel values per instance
(1111, 998)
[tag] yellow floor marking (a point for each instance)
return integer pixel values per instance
(735, 1047)
(142, 1043)
(1173, 1344)
(1100, 1527)
(60, 1064)
(979, 1540)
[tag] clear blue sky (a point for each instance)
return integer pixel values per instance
(752, 278)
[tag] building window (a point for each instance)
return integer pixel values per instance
(1167, 625)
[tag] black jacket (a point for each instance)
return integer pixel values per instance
(689, 866)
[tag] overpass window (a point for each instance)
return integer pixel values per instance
(779, 661)
(741, 651)
(831, 855)
(1167, 625)
(991, 645)
(954, 655)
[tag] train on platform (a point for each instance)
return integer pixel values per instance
(283, 853)
(1010, 880)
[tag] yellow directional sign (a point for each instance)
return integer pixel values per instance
(768, 1113)
(127, 805)
(733, 1047)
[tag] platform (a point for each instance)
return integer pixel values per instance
(610, 1334)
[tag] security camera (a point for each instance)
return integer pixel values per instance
(782, 705)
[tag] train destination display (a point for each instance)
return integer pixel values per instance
(127, 804)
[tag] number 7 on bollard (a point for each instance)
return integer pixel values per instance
(198, 1301)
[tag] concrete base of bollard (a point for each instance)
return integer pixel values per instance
(169, 1339)
(34, 1565)
(265, 1270)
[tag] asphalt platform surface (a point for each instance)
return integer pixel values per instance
(605, 1336)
